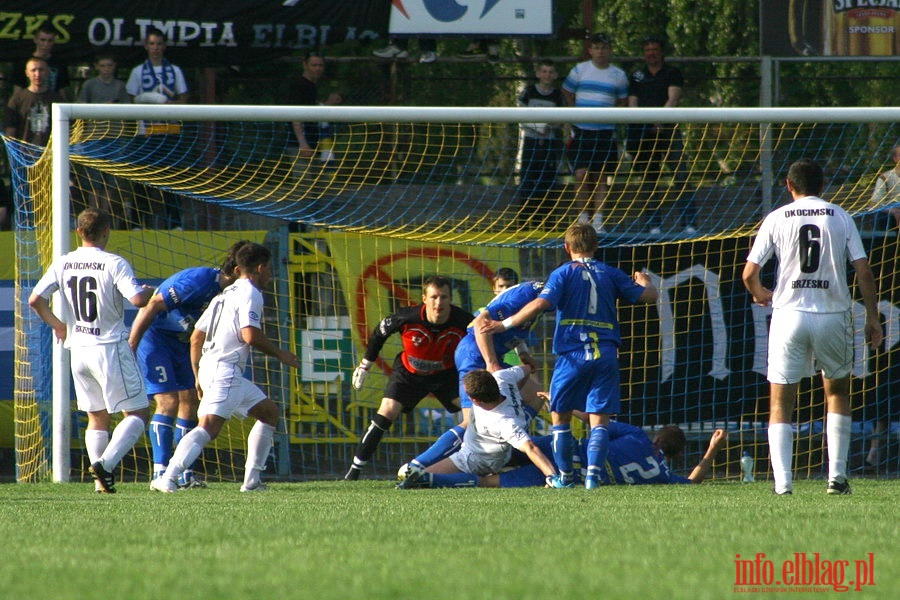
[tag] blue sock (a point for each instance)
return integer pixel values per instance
(598, 449)
(563, 442)
(454, 480)
(182, 428)
(162, 436)
(527, 476)
(447, 444)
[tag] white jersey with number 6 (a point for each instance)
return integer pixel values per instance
(239, 305)
(92, 284)
(814, 240)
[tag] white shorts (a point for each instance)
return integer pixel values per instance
(226, 393)
(107, 378)
(470, 461)
(801, 342)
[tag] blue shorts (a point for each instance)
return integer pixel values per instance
(165, 363)
(588, 385)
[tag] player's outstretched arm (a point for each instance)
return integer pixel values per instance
(144, 318)
(716, 442)
(256, 338)
(650, 293)
(528, 312)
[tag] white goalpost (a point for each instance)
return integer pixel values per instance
(770, 149)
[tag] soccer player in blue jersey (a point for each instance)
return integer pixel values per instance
(584, 292)
(485, 351)
(633, 459)
(160, 335)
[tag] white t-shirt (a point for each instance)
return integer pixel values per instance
(596, 88)
(496, 431)
(141, 79)
(92, 284)
(813, 241)
(887, 188)
(239, 305)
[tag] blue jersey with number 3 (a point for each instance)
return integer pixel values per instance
(584, 293)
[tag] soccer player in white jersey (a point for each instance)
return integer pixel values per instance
(500, 420)
(811, 315)
(220, 346)
(91, 284)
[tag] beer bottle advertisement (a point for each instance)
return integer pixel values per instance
(830, 27)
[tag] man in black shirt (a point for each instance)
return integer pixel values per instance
(58, 80)
(305, 93)
(655, 145)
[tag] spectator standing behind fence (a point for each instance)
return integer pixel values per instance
(541, 142)
(312, 137)
(157, 81)
(28, 109)
(58, 71)
(399, 48)
(92, 284)
(887, 190)
(594, 84)
(654, 145)
(812, 315)
(104, 88)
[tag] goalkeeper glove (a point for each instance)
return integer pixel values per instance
(360, 374)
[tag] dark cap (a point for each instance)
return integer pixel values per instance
(601, 38)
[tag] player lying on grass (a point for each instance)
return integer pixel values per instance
(499, 423)
(634, 459)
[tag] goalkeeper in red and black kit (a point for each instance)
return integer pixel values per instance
(430, 333)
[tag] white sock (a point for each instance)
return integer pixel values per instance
(124, 437)
(837, 431)
(95, 442)
(781, 453)
(259, 442)
(186, 452)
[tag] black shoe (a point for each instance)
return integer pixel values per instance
(838, 488)
(106, 479)
(352, 474)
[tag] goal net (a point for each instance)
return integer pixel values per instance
(397, 194)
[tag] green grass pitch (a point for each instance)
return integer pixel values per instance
(367, 540)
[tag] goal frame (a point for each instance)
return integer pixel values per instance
(64, 113)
